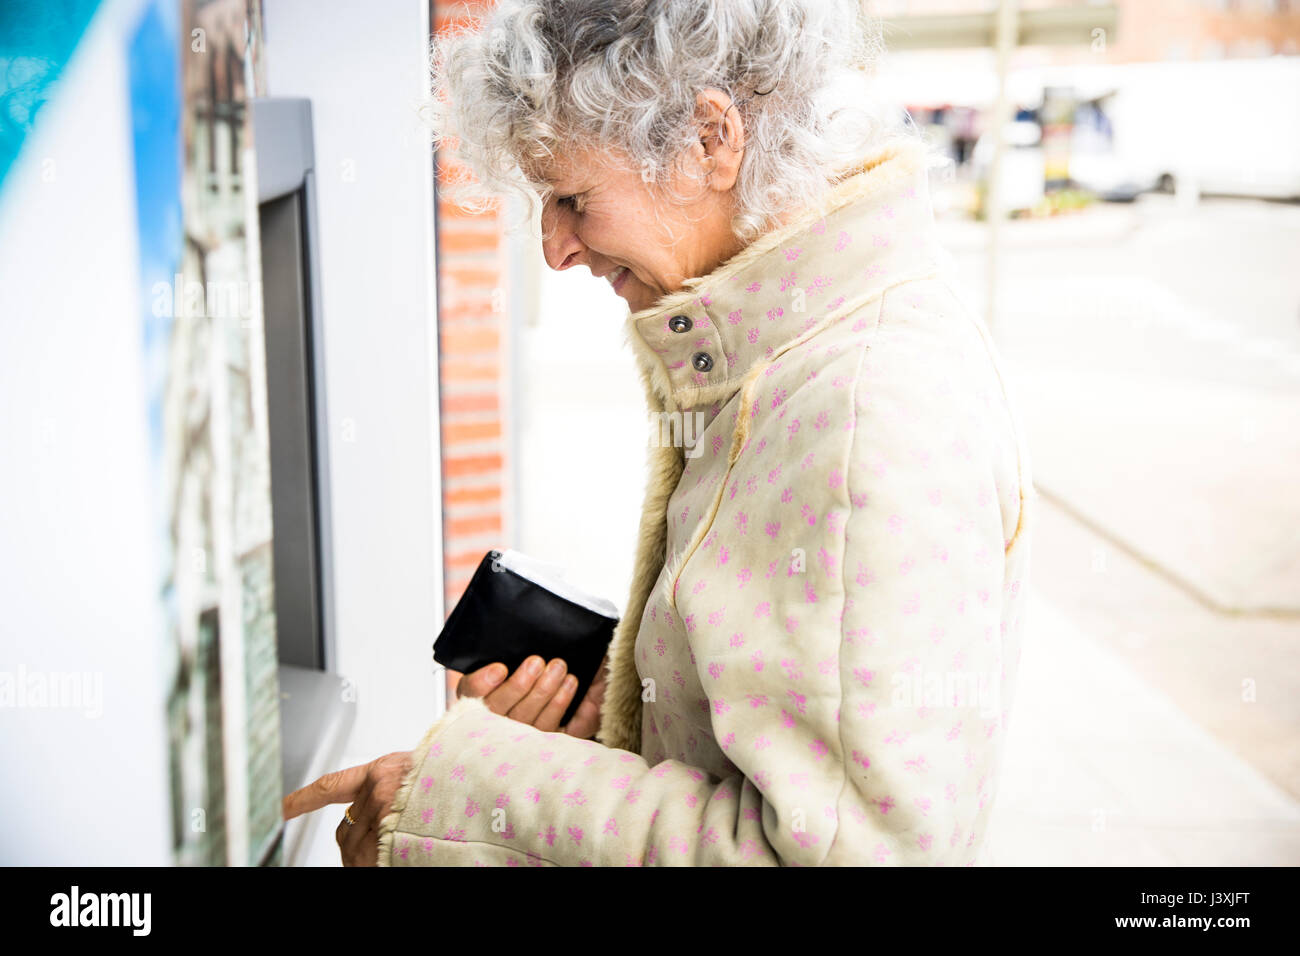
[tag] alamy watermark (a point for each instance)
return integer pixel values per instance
(75, 908)
(26, 689)
(214, 299)
(678, 430)
(958, 689)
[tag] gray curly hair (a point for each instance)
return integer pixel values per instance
(541, 76)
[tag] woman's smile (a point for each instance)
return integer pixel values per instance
(629, 285)
(618, 277)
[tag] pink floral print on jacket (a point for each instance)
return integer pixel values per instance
(818, 660)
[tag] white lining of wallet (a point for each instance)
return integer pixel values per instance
(551, 577)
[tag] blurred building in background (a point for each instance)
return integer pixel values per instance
(1166, 97)
(1155, 30)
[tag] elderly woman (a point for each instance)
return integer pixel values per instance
(817, 661)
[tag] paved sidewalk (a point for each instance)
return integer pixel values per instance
(1103, 769)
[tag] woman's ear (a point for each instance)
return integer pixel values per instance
(722, 138)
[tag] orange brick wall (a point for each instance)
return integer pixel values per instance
(473, 336)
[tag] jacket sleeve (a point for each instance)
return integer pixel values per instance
(854, 692)
(488, 791)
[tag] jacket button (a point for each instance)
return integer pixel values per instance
(702, 361)
(680, 323)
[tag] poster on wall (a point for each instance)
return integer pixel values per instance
(191, 70)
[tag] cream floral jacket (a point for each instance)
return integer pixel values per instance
(817, 662)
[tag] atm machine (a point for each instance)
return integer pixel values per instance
(317, 705)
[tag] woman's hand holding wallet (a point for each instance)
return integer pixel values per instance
(537, 694)
(517, 612)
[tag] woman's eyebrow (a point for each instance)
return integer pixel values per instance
(564, 186)
(547, 186)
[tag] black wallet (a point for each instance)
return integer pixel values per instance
(514, 608)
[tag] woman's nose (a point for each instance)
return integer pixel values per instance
(560, 243)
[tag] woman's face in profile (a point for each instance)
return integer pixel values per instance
(641, 239)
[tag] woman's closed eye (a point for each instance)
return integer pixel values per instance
(573, 203)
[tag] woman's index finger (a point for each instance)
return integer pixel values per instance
(340, 786)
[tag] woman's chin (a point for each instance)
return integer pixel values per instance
(638, 298)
